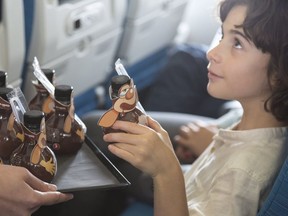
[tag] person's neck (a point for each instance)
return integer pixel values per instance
(258, 117)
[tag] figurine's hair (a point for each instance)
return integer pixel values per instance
(116, 83)
(265, 25)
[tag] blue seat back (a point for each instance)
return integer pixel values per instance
(277, 201)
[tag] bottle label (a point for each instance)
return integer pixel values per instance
(4, 105)
(124, 103)
(69, 119)
(64, 134)
(40, 88)
(12, 125)
(37, 156)
(48, 102)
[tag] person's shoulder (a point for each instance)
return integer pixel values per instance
(259, 161)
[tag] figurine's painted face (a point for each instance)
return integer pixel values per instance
(127, 98)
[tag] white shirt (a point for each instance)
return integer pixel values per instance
(235, 173)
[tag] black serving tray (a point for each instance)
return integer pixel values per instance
(88, 169)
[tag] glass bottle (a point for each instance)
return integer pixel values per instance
(3, 79)
(11, 133)
(34, 154)
(42, 100)
(64, 134)
(124, 98)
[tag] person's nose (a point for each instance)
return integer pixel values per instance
(214, 55)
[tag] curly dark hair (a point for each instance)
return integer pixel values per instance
(265, 25)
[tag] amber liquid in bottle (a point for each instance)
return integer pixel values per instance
(64, 134)
(42, 100)
(34, 154)
(11, 134)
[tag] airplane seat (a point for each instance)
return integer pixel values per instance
(150, 29)
(12, 43)
(276, 203)
(149, 26)
(76, 38)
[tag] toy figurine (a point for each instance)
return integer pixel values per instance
(34, 154)
(11, 133)
(124, 98)
(64, 134)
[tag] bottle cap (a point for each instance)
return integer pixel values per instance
(4, 92)
(33, 119)
(3, 78)
(63, 93)
(49, 73)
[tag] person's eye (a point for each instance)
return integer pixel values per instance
(237, 44)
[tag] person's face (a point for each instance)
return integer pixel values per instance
(237, 69)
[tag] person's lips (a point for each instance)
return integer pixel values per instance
(213, 76)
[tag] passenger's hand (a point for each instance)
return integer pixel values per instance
(193, 139)
(21, 193)
(146, 147)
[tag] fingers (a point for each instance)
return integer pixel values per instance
(190, 131)
(38, 184)
(154, 124)
(135, 128)
(120, 151)
(44, 193)
(52, 197)
(123, 138)
(129, 127)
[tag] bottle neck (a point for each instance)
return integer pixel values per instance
(30, 135)
(62, 106)
(5, 108)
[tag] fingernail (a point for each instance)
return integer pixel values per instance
(70, 196)
(52, 187)
(104, 137)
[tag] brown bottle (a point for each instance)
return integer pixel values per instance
(34, 154)
(124, 98)
(42, 100)
(3, 79)
(64, 134)
(11, 133)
